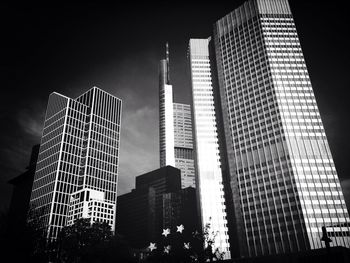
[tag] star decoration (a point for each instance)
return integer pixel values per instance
(152, 246)
(187, 245)
(167, 249)
(180, 228)
(166, 232)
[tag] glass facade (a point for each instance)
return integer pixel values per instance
(175, 129)
(79, 151)
(183, 143)
(284, 183)
(166, 117)
(181, 208)
(210, 192)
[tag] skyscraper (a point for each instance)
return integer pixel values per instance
(140, 212)
(77, 169)
(136, 217)
(210, 188)
(183, 143)
(166, 114)
(180, 208)
(175, 128)
(283, 180)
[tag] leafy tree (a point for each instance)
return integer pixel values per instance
(83, 242)
(209, 242)
(36, 231)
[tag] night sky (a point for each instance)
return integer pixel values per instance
(69, 48)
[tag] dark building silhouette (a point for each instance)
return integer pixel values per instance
(22, 187)
(181, 208)
(140, 213)
(135, 216)
(164, 180)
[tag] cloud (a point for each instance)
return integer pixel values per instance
(139, 145)
(20, 134)
(132, 78)
(139, 127)
(31, 120)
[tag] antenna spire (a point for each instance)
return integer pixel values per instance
(167, 63)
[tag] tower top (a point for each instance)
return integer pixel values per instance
(167, 51)
(167, 63)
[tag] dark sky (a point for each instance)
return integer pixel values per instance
(69, 48)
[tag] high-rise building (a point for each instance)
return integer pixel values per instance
(284, 184)
(77, 169)
(175, 128)
(180, 208)
(136, 217)
(163, 180)
(166, 115)
(140, 212)
(210, 188)
(183, 144)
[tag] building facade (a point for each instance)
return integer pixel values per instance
(163, 180)
(209, 179)
(175, 128)
(166, 115)
(136, 216)
(180, 208)
(77, 168)
(140, 212)
(183, 144)
(283, 180)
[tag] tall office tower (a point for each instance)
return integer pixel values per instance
(210, 190)
(163, 180)
(284, 183)
(136, 217)
(183, 144)
(166, 114)
(180, 208)
(77, 169)
(175, 128)
(140, 212)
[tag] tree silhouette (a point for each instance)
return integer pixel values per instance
(209, 243)
(86, 242)
(25, 242)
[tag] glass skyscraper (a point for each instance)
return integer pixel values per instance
(77, 169)
(283, 180)
(210, 188)
(175, 129)
(183, 143)
(166, 115)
